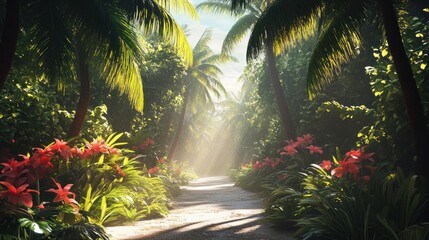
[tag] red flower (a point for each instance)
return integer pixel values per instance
(290, 150)
(314, 149)
(257, 165)
(161, 160)
(346, 166)
(76, 152)
(57, 146)
(308, 139)
(13, 171)
(20, 195)
(149, 142)
(153, 170)
(63, 194)
(360, 155)
(40, 163)
(98, 146)
(326, 164)
(60, 147)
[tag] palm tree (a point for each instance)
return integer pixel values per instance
(106, 43)
(249, 17)
(201, 81)
(288, 21)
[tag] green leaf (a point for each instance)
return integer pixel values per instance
(103, 208)
(88, 202)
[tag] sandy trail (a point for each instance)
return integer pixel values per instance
(208, 208)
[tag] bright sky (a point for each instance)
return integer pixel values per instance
(220, 26)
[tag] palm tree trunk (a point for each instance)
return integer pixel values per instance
(285, 115)
(176, 140)
(9, 38)
(84, 95)
(166, 129)
(408, 84)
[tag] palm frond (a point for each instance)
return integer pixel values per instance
(179, 6)
(219, 7)
(285, 22)
(210, 69)
(336, 44)
(53, 47)
(154, 19)
(120, 68)
(238, 31)
(204, 41)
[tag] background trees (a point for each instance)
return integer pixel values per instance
(336, 43)
(202, 80)
(247, 18)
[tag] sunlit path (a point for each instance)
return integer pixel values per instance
(209, 208)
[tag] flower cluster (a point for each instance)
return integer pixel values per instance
(267, 163)
(17, 175)
(145, 145)
(304, 142)
(357, 164)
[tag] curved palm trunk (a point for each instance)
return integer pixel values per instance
(279, 94)
(166, 124)
(84, 94)
(408, 84)
(9, 38)
(176, 140)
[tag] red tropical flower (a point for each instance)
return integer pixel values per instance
(346, 166)
(40, 163)
(20, 195)
(98, 146)
(150, 141)
(326, 164)
(13, 171)
(76, 152)
(257, 165)
(63, 194)
(360, 155)
(60, 147)
(161, 160)
(290, 150)
(153, 170)
(314, 149)
(308, 139)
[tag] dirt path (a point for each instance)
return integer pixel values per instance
(208, 208)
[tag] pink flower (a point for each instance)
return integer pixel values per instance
(326, 164)
(314, 149)
(290, 150)
(308, 138)
(76, 152)
(98, 146)
(257, 165)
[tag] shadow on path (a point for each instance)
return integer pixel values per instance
(208, 208)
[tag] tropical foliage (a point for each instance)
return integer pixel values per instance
(62, 189)
(353, 73)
